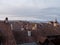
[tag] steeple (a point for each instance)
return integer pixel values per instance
(6, 20)
(55, 20)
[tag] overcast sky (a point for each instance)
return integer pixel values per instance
(36, 9)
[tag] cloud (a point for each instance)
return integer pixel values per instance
(6, 6)
(39, 9)
(28, 3)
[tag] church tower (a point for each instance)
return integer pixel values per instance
(55, 22)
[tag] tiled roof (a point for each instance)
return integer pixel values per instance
(43, 30)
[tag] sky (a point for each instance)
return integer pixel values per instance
(32, 9)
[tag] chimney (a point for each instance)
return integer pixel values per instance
(34, 27)
(11, 26)
(55, 24)
(29, 33)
